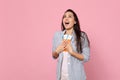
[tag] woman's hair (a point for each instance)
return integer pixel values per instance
(76, 29)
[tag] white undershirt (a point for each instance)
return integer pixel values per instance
(66, 55)
(65, 63)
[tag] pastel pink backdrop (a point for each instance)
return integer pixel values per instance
(27, 28)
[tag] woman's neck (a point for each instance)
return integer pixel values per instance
(69, 31)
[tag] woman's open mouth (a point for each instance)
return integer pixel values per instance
(67, 23)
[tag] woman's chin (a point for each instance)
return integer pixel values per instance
(68, 28)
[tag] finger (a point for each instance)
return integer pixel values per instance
(64, 43)
(65, 40)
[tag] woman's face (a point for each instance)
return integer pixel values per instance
(68, 20)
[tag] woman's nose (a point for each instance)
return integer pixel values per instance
(66, 19)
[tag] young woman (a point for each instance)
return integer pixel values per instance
(71, 47)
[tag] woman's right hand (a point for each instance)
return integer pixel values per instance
(61, 47)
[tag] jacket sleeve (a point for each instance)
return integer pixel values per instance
(85, 47)
(54, 42)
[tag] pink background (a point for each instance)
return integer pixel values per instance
(27, 28)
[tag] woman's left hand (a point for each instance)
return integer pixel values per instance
(69, 47)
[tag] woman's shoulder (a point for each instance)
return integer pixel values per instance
(58, 33)
(83, 33)
(84, 37)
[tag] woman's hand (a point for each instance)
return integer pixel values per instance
(69, 47)
(61, 47)
(65, 45)
(71, 52)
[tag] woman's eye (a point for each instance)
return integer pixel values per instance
(64, 16)
(70, 16)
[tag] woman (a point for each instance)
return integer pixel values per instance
(71, 47)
